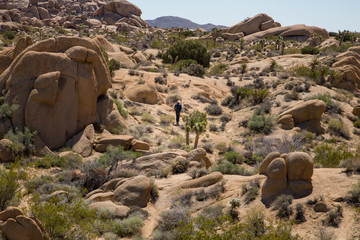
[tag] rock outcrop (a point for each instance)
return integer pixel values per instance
(15, 226)
(262, 26)
(123, 14)
(119, 194)
(305, 115)
(56, 83)
(347, 67)
(286, 174)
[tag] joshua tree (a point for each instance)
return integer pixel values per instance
(180, 30)
(197, 122)
(215, 33)
(242, 43)
(314, 63)
(278, 42)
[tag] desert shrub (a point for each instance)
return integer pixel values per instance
(214, 110)
(212, 212)
(310, 50)
(339, 128)
(299, 215)
(154, 192)
(22, 141)
(282, 204)
(334, 217)
(208, 146)
(114, 155)
(227, 167)
(258, 95)
(357, 123)
(6, 109)
(195, 172)
(263, 108)
(70, 161)
(125, 173)
(234, 157)
(261, 123)
(251, 191)
(121, 109)
(111, 63)
(291, 96)
(329, 156)
(182, 65)
(324, 234)
(9, 35)
(129, 226)
(177, 142)
(196, 70)
(217, 69)
(9, 187)
(172, 218)
(72, 220)
(221, 147)
(35, 183)
(355, 194)
(351, 164)
(225, 118)
(147, 117)
(180, 165)
(173, 98)
(166, 119)
(183, 50)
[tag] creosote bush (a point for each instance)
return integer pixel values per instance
(9, 187)
(261, 123)
(213, 110)
(227, 167)
(183, 50)
(329, 156)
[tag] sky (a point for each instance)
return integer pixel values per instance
(332, 15)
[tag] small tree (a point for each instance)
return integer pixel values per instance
(242, 43)
(215, 33)
(197, 122)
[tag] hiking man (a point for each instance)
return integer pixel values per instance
(177, 109)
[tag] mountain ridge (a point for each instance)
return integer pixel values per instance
(174, 22)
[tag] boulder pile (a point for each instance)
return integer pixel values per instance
(60, 87)
(286, 174)
(347, 66)
(305, 115)
(70, 14)
(262, 26)
(15, 226)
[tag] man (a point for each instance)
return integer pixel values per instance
(177, 109)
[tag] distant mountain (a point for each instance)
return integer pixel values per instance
(174, 22)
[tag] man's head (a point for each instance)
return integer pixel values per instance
(179, 101)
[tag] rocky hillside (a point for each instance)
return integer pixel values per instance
(266, 146)
(175, 22)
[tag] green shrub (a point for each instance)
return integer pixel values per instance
(129, 226)
(196, 70)
(300, 213)
(334, 217)
(22, 141)
(147, 117)
(325, 98)
(283, 205)
(9, 35)
(36, 183)
(310, 50)
(217, 69)
(213, 110)
(172, 218)
(114, 155)
(180, 165)
(9, 187)
(6, 109)
(251, 191)
(234, 157)
(121, 109)
(357, 123)
(72, 220)
(182, 65)
(166, 119)
(183, 50)
(229, 168)
(330, 157)
(261, 123)
(70, 161)
(339, 128)
(258, 95)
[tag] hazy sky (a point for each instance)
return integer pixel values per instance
(330, 14)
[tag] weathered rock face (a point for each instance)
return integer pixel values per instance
(56, 84)
(15, 226)
(134, 192)
(290, 173)
(253, 25)
(305, 115)
(123, 14)
(143, 93)
(347, 66)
